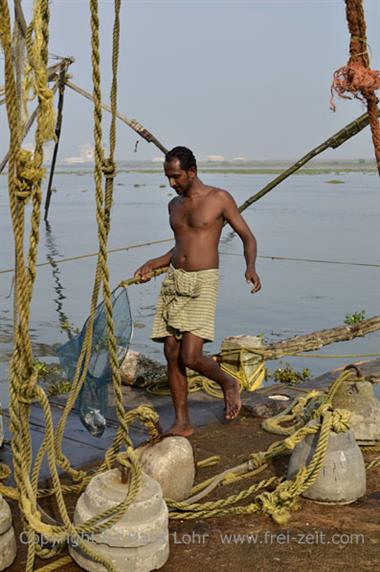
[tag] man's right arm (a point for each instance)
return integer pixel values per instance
(145, 271)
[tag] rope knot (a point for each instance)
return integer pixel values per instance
(277, 507)
(256, 460)
(109, 168)
(28, 175)
(340, 420)
(299, 407)
(27, 394)
(290, 442)
(353, 78)
(27, 391)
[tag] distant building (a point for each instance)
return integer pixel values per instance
(215, 158)
(160, 159)
(241, 159)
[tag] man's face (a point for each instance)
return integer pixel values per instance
(179, 180)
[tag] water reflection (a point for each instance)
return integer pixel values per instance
(52, 254)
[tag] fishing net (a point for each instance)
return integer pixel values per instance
(92, 401)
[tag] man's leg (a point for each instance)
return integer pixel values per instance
(192, 357)
(178, 388)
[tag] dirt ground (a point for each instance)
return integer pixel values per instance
(320, 537)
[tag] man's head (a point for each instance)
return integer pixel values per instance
(180, 168)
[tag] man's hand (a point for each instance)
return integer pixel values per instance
(253, 277)
(144, 273)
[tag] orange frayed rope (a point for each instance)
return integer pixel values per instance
(356, 79)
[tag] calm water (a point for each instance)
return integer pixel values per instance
(303, 218)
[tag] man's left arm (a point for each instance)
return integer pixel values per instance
(233, 217)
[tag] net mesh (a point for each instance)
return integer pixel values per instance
(92, 401)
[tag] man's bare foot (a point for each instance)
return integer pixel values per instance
(179, 429)
(232, 399)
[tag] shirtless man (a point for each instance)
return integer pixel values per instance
(196, 216)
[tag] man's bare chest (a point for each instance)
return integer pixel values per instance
(199, 215)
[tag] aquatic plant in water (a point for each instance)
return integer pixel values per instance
(288, 375)
(355, 318)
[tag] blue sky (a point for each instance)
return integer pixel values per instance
(243, 78)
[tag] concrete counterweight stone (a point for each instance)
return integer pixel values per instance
(342, 479)
(359, 398)
(8, 547)
(171, 463)
(139, 541)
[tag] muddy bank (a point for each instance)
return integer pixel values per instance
(324, 537)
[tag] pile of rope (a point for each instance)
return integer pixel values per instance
(275, 496)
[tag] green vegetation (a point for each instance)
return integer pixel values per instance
(60, 387)
(335, 182)
(288, 375)
(355, 318)
(51, 376)
(41, 367)
(65, 326)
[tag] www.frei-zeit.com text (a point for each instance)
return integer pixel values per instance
(316, 537)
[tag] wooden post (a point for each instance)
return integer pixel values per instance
(132, 123)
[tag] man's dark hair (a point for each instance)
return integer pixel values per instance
(184, 155)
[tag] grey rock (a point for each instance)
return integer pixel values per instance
(171, 463)
(342, 479)
(8, 547)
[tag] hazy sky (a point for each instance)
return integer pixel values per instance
(234, 78)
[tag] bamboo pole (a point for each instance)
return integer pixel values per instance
(333, 142)
(135, 125)
(316, 340)
(27, 127)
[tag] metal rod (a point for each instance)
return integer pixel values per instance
(58, 126)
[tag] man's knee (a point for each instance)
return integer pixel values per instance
(190, 357)
(171, 349)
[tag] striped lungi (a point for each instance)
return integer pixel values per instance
(186, 303)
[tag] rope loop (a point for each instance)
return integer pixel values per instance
(149, 417)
